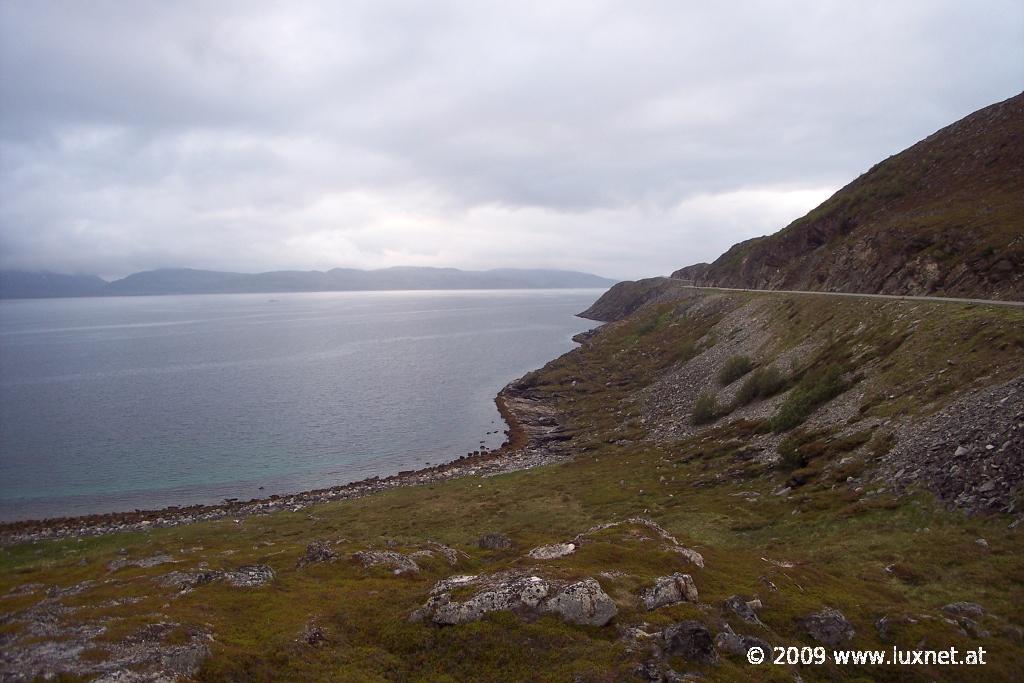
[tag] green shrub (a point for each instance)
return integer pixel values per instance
(761, 383)
(706, 409)
(814, 390)
(734, 368)
(652, 323)
(797, 449)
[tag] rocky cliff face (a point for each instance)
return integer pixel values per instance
(943, 217)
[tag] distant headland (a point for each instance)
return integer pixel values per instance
(15, 284)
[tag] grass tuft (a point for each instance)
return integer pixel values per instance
(762, 383)
(734, 368)
(706, 409)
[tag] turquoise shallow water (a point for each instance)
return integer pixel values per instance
(138, 402)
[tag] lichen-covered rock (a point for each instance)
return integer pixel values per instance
(552, 552)
(250, 576)
(145, 655)
(735, 644)
(400, 564)
(692, 641)
(513, 594)
(452, 582)
(690, 555)
(188, 581)
(144, 563)
(316, 552)
(742, 609)
(451, 555)
(494, 541)
(583, 603)
(828, 626)
(670, 590)
(964, 609)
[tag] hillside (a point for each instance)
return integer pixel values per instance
(713, 472)
(944, 217)
(19, 285)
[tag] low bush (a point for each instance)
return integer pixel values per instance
(797, 449)
(706, 409)
(761, 383)
(734, 368)
(815, 389)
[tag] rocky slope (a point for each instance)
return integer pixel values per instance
(945, 216)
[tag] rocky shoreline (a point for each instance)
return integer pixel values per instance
(534, 438)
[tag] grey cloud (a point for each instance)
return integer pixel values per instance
(623, 138)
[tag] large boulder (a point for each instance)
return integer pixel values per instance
(316, 552)
(670, 590)
(523, 593)
(583, 603)
(692, 641)
(828, 626)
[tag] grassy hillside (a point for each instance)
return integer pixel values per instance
(945, 216)
(783, 491)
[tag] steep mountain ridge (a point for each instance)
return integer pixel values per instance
(945, 217)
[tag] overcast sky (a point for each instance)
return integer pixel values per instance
(621, 138)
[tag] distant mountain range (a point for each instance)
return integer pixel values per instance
(33, 285)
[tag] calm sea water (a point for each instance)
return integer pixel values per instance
(122, 403)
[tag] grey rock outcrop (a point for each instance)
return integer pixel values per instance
(742, 609)
(399, 563)
(670, 590)
(186, 581)
(143, 563)
(552, 552)
(828, 626)
(494, 541)
(690, 555)
(250, 576)
(971, 610)
(582, 602)
(735, 644)
(317, 552)
(692, 641)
